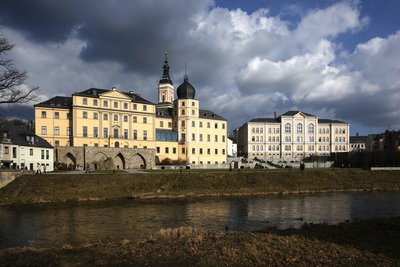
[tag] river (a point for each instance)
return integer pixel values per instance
(65, 223)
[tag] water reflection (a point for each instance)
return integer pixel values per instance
(53, 224)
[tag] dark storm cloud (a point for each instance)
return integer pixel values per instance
(24, 112)
(132, 33)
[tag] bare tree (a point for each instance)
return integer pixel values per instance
(12, 79)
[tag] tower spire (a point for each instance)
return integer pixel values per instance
(165, 77)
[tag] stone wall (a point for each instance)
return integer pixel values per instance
(7, 177)
(106, 157)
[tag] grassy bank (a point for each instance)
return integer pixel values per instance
(62, 187)
(368, 243)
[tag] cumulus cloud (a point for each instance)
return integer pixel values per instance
(243, 65)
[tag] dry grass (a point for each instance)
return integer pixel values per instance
(188, 246)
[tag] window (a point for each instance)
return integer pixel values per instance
(201, 137)
(95, 132)
(105, 103)
(174, 150)
(144, 120)
(193, 112)
(183, 150)
(208, 125)
(288, 128)
(134, 119)
(208, 138)
(47, 154)
(223, 138)
(193, 137)
(193, 123)
(216, 138)
(116, 117)
(208, 151)
(115, 104)
(56, 130)
(257, 130)
(311, 138)
(287, 138)
(68, 131)
(14, 152)
(116, 132)
(216, 151)
(193, 151)
(144, 107)
(44, 130)
(105, 132)
(158, 149)
(56, 115)
(84, 115)
(166, 150)
(105, 117)
(84, 101)
(201, 151)
(223, 126)
(125, 118)
(125, 105)
(6, 150)
(42, 154)
(134, 134)
(161, 124)
(182, 112)
(85, 133)
(201, 124)
(223, 151)
(95, 115)
(216, 126)
(169, 124)
(134, 106)
(183, 123)
(310, 128)
(95, 102)
(43, 115)
(183, 103)
(299, 128)
(125, 134)
(144, 135)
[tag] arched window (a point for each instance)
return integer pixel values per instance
(261, 148)
(273, 138)
(288, 128)
(261, 138)
(269, 147)
(253, 130)
(257, 130)
(257, 139)
(254, 147)
(258, 148)
(299, 128)
(261, 130)
(310, 128)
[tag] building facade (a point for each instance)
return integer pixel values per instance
(358, 143)
(177, 129)
(22, 149)
(292, 136)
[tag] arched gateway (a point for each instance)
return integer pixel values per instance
(108, 158)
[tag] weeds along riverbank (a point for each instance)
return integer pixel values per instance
(56, 187)
(372, 242)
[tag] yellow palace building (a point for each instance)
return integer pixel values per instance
(176, 129)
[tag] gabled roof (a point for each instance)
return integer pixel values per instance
(18, 136)
(207, 114)
(164, 112)
(358, 139)
(95, 92)
(294, 112)
(56, 102)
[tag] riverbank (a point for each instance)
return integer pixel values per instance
(366, 243)
(176, 184)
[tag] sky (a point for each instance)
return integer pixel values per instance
(246, 59)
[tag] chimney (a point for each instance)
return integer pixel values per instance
(275, 115)
(114, 88)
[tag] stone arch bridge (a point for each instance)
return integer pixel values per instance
(105, 157)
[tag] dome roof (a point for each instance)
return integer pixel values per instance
(186, 90)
